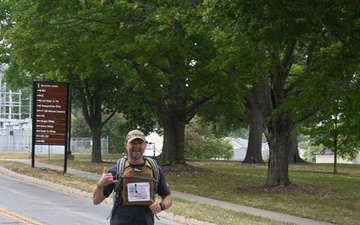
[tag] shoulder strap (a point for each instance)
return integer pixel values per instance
(120, 167)
(119, 172)
(155, 169)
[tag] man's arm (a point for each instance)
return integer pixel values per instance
(164, 191)
(166, 201)
(98, 192)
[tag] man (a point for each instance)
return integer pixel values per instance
(123, 213)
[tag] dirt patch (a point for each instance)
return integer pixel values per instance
(291, 189)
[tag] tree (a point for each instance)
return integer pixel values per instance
(160, 42)
(64, 41)
(334, 128)
(93, 46)
(287, 52)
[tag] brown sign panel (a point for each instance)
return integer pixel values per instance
(50, 113)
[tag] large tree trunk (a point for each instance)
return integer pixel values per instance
(294, 156)
(278, 126)
(278, 134)
(173, 145)
(174, 112)
(253, 153)
(91, 108)
(172, 116)
(96, 127)
(96, 147)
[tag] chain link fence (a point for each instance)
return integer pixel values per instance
(84, 145)
(19, 141)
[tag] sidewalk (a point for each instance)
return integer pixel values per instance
(225, 205)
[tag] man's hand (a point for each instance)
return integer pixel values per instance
(155, 207)
(106, 179)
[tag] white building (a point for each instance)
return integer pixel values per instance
(240, 149)
(325, 155)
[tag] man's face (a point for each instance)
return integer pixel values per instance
(135, 148)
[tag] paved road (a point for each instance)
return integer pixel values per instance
(26, 203)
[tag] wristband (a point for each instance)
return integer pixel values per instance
(98, 186)
(162, 206)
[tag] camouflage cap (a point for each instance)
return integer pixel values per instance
(135, 134)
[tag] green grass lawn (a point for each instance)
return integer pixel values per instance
(320, 194)
(326, 197)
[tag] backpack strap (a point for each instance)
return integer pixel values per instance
(156, 172)
(119, 173)
(120, 167)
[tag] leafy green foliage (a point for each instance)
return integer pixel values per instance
(69, 41)
(332, 129)
(165, 59)
(200, 143)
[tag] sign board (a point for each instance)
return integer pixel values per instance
(51, 116)
(50, 113)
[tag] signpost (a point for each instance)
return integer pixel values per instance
(51, 116)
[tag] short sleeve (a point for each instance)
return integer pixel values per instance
(163, 186)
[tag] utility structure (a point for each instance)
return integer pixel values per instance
(15, 129)
(10, 104)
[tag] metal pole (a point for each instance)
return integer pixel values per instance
(67, 150)
(49, 153)
(308, 152)
(33, 127)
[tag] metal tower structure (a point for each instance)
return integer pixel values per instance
(15, 131)
(10, 104)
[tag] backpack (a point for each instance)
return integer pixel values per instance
(139, 185)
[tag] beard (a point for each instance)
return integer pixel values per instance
(136, 154)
